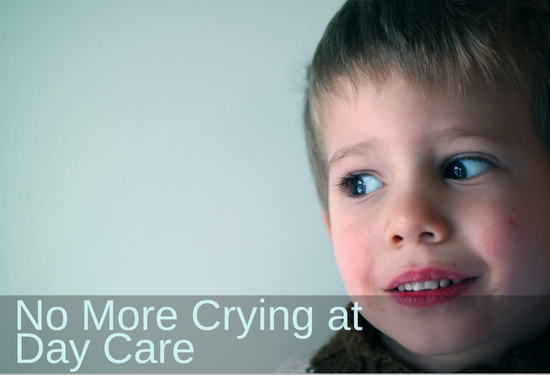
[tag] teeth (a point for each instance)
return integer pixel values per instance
(432, 284)
(427, 285)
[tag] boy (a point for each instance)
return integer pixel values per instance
(428, 132)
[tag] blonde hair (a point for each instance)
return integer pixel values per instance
(507, 42)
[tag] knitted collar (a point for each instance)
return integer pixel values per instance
(362, 351)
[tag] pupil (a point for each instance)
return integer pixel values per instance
(459, 171)
(359, 187)
(456, 170)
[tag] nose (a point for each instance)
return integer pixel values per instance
(417, 218)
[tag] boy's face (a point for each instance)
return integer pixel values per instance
(427, 186)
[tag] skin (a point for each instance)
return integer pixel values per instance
(493, 227)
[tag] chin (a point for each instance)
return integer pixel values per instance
(440, 344)
(435, 335)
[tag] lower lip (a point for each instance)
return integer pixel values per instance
(431, 297)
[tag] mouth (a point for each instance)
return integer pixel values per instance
(417, 286)
(428, 287)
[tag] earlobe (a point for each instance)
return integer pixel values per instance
(326, 219)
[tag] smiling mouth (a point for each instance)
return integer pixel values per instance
(417, 286)
(418, 294)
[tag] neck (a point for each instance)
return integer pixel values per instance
(444, 363)
(488, 353)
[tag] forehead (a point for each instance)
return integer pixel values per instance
(396, 111)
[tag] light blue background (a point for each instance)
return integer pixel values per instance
(156, 147)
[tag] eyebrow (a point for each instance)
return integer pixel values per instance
(448, 135)
(479, 132)
(364, 147)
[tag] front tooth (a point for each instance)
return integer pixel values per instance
(401, 288)
(456, 281)
(432, 284)
(408, 287)
(418, 286)
(444, 282)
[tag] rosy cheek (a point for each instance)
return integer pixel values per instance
(496, 237)
(352, 255)
(507, 244)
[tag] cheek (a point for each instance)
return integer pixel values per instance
(354, 255)
(498, 232)
(513, 247)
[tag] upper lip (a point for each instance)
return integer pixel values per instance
(426, 274)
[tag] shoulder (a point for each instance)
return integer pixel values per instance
(357, 351)
(297, 365)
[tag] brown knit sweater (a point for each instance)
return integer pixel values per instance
(361, 351)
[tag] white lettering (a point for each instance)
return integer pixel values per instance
(177, 350)
(20, 337)
(121, 318)
(108, 309)
(37, 323)
(356, 310)
(108, 353)
(246, 325)
(160, 318)
(343, 318)
(49, 318)
(195, 315)
(150, 350)
(309, 312)
(79, 357)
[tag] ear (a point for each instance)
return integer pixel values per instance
(326, 219)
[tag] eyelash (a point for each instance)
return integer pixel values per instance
(479, 159)
(344, 184)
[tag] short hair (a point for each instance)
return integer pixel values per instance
(507, 42)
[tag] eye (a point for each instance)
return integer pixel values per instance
(361, 184)
(462, 168)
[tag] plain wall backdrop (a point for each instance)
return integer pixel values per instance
(156, 147)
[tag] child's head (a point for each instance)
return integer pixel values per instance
(428, 131)
(430, 42)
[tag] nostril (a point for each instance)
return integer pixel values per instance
(396, 239)
(428, 235)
